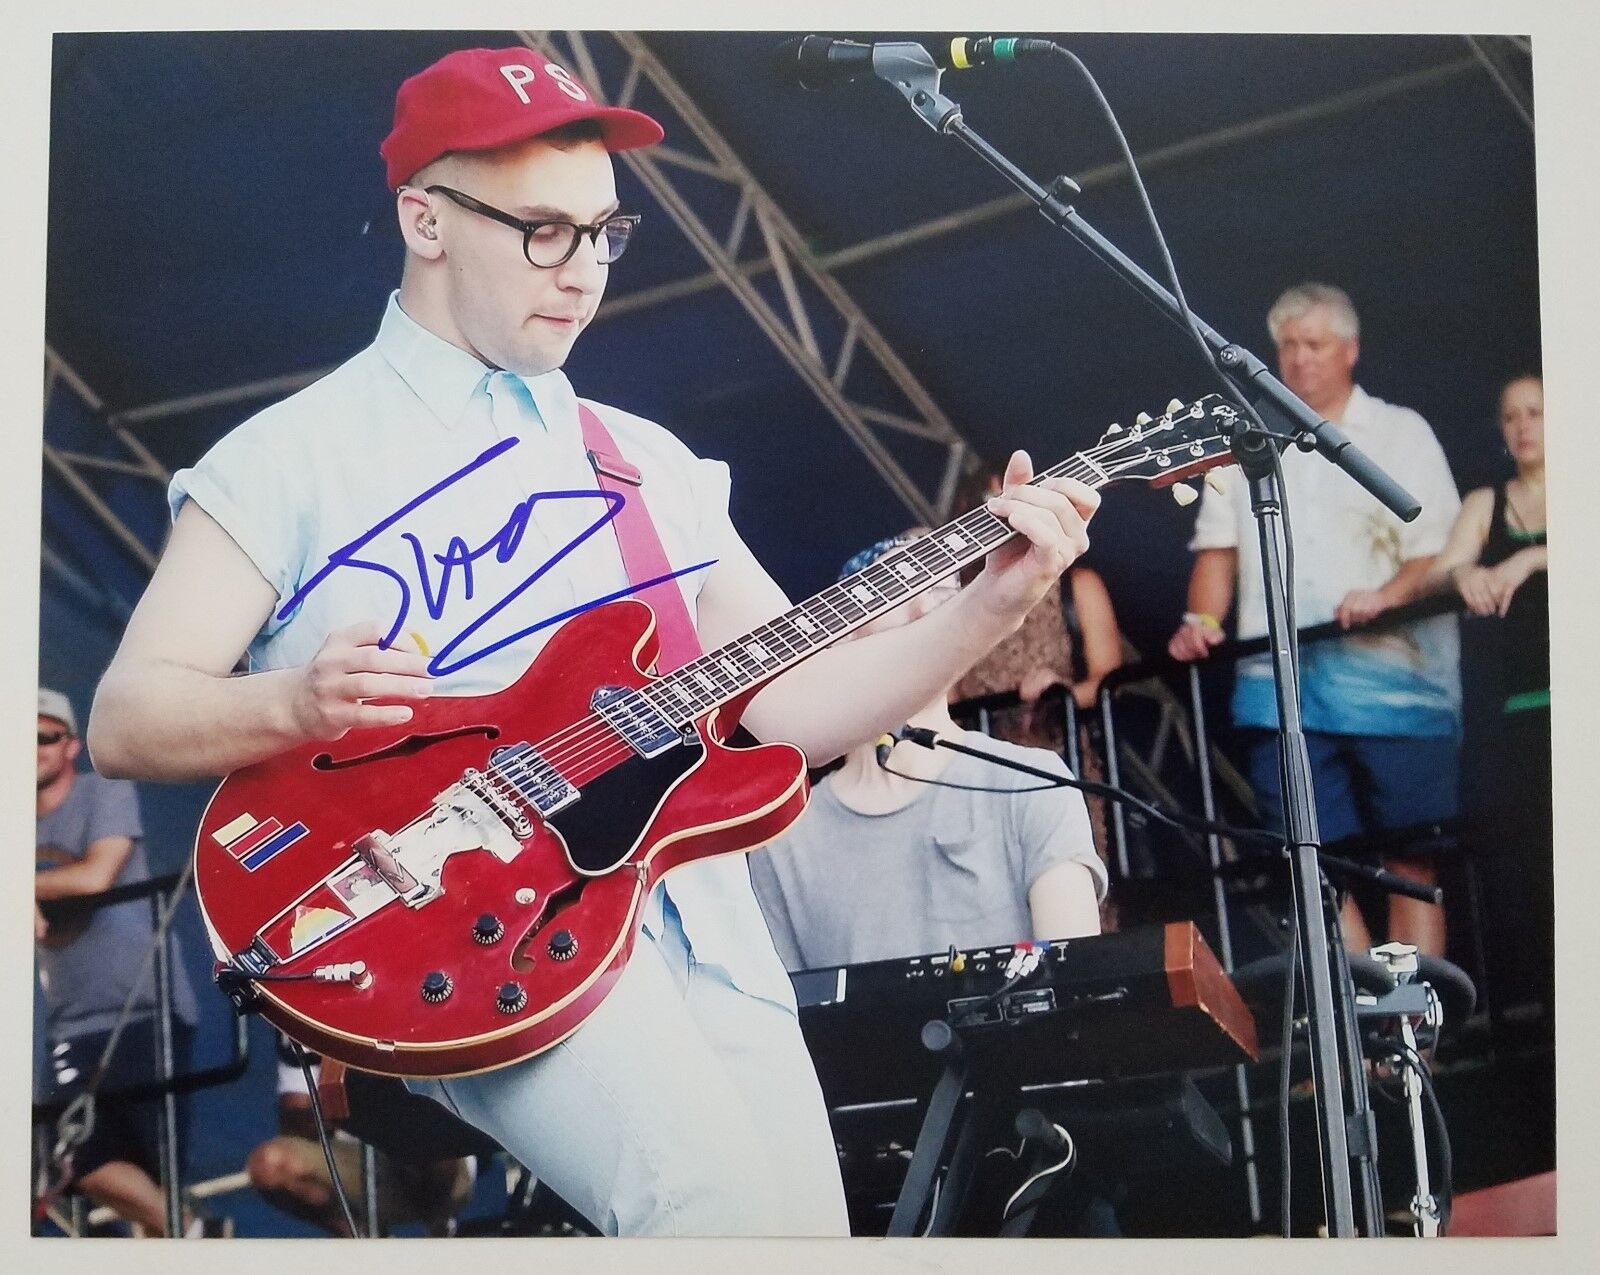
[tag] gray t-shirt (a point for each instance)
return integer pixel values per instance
(952, 867)
(87, 981)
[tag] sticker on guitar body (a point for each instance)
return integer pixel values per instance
(354, 891)
(252, 842)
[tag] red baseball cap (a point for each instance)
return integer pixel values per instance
(480, 99)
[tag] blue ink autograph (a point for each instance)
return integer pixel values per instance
(458, 560)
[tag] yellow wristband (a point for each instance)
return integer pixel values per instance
(1203, 619)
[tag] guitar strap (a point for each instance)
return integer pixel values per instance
(643, 557)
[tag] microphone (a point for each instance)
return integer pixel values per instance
(818, 60)
(886, 743)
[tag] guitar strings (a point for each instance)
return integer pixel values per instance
(580, 741)
(594, 744)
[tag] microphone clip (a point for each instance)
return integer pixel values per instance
(920, 735)
(913, 73)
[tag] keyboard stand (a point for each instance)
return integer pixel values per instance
(944, 1116)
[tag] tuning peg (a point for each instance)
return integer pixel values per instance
(1215, 483)
(1143, 418)
(1184, 494)
(1113, 428)
(1175, 406)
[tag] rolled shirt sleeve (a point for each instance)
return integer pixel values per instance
(244, 484)
(1052, 825)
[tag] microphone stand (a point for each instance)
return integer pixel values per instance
(1345, 1126)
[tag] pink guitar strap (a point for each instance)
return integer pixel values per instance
(643, 557)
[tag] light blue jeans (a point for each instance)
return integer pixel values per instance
(682, 1106)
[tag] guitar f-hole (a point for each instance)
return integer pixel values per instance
(406, 747)
(554, 905)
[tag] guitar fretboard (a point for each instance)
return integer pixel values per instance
(718, 676)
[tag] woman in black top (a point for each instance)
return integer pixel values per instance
(1496, 559)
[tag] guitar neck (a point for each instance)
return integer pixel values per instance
(731, 670)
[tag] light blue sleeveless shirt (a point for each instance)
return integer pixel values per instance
(309, 489)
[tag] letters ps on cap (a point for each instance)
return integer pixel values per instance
(482, 99)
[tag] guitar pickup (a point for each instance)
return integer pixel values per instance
(644, 727)
(534, 779)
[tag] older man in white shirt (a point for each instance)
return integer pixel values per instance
(1381, 711)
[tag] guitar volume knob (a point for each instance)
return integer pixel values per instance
(437, 986)
(563, 945)
(510, 998)
(488, 929)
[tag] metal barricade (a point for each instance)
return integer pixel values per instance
(168, 1084)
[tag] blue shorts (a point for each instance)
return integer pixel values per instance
(1363, 782)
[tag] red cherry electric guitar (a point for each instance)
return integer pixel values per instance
(460, 892)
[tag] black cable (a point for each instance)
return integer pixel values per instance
(1355, 1096)
(1208, 355)
(275, 978)
(239, 986)
(1291, 987)
(1176, 819)
(1011, 984)
(322, 1137)
(1233, 393)
(945, 783)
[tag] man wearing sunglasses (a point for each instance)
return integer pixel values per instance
(686, 1103)
(89, 839)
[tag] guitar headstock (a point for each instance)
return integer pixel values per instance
(1183, 442)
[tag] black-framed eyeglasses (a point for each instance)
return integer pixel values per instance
(548, 243)
(55, 737)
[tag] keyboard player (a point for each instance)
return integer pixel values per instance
(949, 851)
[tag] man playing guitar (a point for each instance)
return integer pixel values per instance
(686, 1102)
